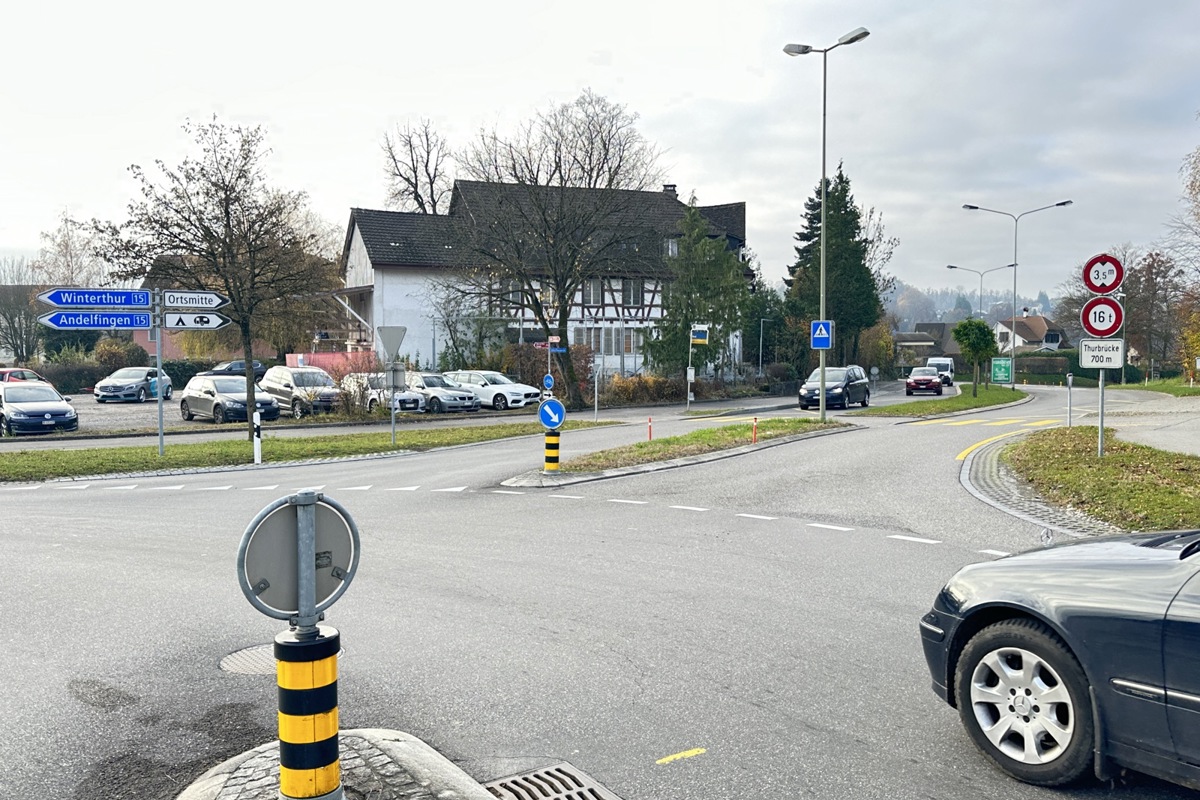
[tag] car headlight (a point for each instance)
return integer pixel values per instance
(16, 413)
(837, 390)
(236, 404)
(71, 413)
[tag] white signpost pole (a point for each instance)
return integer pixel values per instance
(156, 327)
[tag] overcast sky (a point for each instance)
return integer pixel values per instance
(1008, 105)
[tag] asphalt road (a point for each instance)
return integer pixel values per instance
(761, 609)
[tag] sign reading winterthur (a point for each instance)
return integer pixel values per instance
(96, 298)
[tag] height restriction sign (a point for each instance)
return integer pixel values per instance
(1103, 274)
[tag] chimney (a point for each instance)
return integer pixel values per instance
(669, 188)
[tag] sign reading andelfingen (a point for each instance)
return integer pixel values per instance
(95, 320)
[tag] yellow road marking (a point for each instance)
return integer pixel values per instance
(928, 422)
(961, 456)
(964, 422)
(685, 754)
(1003, 422)
(1041, 423)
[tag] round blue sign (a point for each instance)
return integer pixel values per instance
(552, 413)
(548, 381)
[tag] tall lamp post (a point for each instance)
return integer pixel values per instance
(1016, 218)
(761, 321)
(856, 35)
(980, 274)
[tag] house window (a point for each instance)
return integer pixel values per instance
(512, 297)
(634, 339)
(671, 248)
(633, 293)
(593, 292)
(1051, 338)
(1002, 337)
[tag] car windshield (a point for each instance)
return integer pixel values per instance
(30, 394)
(129, 374)
(495, 377)
(926, 372)
(313, 379)
(230, 385)
(832, 375)
(438, 381)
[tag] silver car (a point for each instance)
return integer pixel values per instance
(441, 393)
(370, 389)
(136, 384)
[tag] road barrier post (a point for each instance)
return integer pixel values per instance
(257, 437)
(551, 451)
(754, 436)
(649, 429)
(306, 673)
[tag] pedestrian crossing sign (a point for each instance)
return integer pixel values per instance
(822, 334)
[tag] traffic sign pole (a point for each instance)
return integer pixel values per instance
(158, 366)
(1102, 316)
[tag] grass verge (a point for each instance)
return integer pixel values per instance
(1133, 486)
(38, 465)
(708, 440)
(1174, 386)
(988, 396)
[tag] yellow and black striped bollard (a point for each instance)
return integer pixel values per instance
(551, 451)
(306, 672)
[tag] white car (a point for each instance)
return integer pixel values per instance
(442, 393)
(496, 389)
(371, 388)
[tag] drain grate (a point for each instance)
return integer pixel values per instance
(557, 782)
(258, 659)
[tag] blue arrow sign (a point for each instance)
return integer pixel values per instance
(96, 298)
(552, 413)
(96, 320)
(822, 334)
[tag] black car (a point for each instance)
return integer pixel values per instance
(34, 407)
(843, 386)
(237, 368)
(223, 398)
(1084, 656)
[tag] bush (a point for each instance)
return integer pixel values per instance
(112, 354)
(73, 378)
(645, 389)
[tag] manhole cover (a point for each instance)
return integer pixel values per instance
(256, 660)
(557, 782)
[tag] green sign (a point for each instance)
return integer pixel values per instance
(1001, 370)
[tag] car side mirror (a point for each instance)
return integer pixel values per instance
(287, 385)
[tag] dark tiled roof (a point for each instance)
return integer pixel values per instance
(729, 218)
(399, 238)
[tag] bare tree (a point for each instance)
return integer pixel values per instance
(880, 249)
(68, 256)
(20, 331)
(215, 223)
(416, 159)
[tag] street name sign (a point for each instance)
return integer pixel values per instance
(204, 301)
(1102, 316)
(821, 334)
(96, 298)
(96, 320)
(1102, 353)
(1103, 274)
(188, 321)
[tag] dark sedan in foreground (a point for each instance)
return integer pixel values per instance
(223, 399)
(843, 386)
(34, 407)
(1084, 656)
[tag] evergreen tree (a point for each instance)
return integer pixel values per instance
(851, 293)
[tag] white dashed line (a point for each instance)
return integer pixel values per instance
(22, 488)
(122, 488)
(916, 539)
(567, 496)
(630, 502)
(404, 489)
(262, 488)
(311, 488)
(76, 486)
(1000, 553)
(449, 489)
(504, 491)
(356, 488)
(173, 488)
(689, 508)
(756, 516)
(828, 527)
(214, 488)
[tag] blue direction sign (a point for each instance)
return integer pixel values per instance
(822, 334)
(552, 413)
(96, 320)
(558, 349)
(96, 298)
(548, 381)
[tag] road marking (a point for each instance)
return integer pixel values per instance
(928, 422)
(964, 422)
(311, 488)
(916, 539)
(685, 754)
(449, 489)
(631, 502)
(173, 488)
(76, 486)
(356, 488)
(963, 455)
(123, 488)
(404, 489)
(567, 496)
(1000, 422)
(756, 516)
(1041, 423)
(262, 488)
(828, 527)
(504, 491)
(689, 508)
(214, 488)
(1000, 553)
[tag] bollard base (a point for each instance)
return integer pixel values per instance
(336, 794)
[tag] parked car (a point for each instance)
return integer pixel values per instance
(496, 389)
(923, 379)
(843, 386)
(19, 374)
(1080, 656)
(132, 383)
(371, 389)
(301, 390)
(34, 407)
(441, 393)
(223, 398)
(237, 367)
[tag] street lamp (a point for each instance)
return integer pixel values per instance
(980, 274)
(1016, 218)
(760, 333)
(856, 35)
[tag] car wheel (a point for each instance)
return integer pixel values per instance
(186, 412)
(170, 391)
(218, 415)
(297, 409)
(99, 400)
(435, 405)
(1024, 701)
(908, 392)
(372, 404)
(866, 401)
(141, 398)
(499, 402)
(804, 406)
(5, 428)
(939, 391)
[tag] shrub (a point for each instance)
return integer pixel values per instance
(112, 354)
